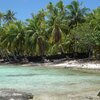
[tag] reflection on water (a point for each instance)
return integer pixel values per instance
(51, 83)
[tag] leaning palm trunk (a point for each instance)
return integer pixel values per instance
(40, 46)
(57, 34)
(57, 38)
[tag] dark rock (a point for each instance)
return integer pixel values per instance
(11, 94)
(98, 94)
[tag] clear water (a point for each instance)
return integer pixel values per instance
(52, 82)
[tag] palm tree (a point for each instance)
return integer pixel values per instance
(94, 19)
(57, 23)
(35, 37)
(76, 13)
(12, 38)
(9, 16)
(19, 40)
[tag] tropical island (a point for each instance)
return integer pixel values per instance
(59, 31)
(61, 41)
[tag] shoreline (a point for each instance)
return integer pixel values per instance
(78, 64)
(75, 64)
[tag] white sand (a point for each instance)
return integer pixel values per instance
(78, 64)
(69, 64)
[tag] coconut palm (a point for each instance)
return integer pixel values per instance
(94, 19)
(12, 38)
(57, 23)
(9, 16)
(36, 34)
(76, 13)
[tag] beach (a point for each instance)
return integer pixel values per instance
(81, 64)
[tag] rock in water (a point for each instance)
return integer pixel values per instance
(11, 94)
(98, 94)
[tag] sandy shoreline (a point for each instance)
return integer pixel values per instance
(78, 64)
(68, 64)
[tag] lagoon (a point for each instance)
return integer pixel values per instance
(51, 83)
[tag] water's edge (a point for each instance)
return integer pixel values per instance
(51, 83)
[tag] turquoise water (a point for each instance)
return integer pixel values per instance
(40, 81)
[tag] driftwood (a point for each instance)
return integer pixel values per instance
(11, 94)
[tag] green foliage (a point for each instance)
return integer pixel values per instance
(76, 13)
(58, 29)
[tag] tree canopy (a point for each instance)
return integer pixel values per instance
(58, 29)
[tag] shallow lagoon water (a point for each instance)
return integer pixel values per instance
(50, 83)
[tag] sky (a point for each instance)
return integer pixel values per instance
(24, 8)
